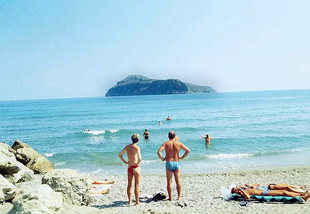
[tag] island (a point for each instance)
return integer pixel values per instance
(141, 85)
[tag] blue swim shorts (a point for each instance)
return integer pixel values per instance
(172, 165)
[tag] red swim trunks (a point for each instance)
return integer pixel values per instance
(130, 169)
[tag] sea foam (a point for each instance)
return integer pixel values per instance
(94, 132)
(49, 155)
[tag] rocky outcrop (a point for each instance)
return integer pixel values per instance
(140, 85)
(31, 158)
(10, 168)
(72, 185)
(7, 190)
(42, 199)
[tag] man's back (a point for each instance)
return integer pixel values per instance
(172, 149)
(132, 153)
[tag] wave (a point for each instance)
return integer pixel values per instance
(246, 155)
(150, 161)
(113, 130)
(60, 163)
(94, 132)
(228, 156)
(49, 155)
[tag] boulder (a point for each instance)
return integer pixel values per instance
(7, 147)
(72, 185)
(8, 163)
(31, 158)
(7, 190)
(19, 144)
(10, 168)
(24, 174)
(41, 200)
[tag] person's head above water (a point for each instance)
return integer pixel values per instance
(135, 138)
(207, 136)
(145, 130)
(171, 135)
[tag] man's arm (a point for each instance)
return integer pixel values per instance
(187, 151)
(139, 156)
(120, 155)
(244, 194)
(160, 150)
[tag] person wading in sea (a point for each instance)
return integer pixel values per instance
(172, 148)
(134, 172)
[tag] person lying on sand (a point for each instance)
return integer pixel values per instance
(134, 160)
(246, 193)
(288, 187)
(103, 182)
(172, 148)
(207, 138)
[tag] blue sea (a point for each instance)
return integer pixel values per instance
(252, 129)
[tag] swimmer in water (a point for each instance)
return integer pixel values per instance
(207, 138)
(146, 134)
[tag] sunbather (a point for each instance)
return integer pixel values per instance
(247, 192)
(288, 187)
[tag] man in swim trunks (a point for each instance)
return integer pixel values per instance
(134, 160)
(172, 149)
(246, 193)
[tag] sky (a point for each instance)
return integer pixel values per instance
(79, 48)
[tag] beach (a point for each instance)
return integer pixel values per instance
(200, 193)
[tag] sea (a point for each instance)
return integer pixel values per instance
(251, 130)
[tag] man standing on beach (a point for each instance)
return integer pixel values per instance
(172, 148)
(134, 160)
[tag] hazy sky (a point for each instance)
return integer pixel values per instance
(75, 48)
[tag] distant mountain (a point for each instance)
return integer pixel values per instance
(141, 85)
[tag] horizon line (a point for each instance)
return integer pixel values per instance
(218, 92)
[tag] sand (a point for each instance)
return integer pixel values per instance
(201, 193)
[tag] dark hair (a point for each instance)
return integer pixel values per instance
(207, 136)
(145, 130)
(171, 135)
(134, 138)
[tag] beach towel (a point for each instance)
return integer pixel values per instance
(269, 199)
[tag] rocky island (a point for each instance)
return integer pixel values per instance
(141, 85)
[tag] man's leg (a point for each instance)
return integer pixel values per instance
(137, 174)
(177, 178)
(130, 177)
(169, 180)
(287, 187)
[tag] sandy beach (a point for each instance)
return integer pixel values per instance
(201, 193)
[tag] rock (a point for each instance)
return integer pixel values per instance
(11, 169)
(7, 147)
(19, 144)
(24, 174)
(31, 158)
(40, 200)
(8, 163)
(72, 185)
(7, 190)
(140, 85)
